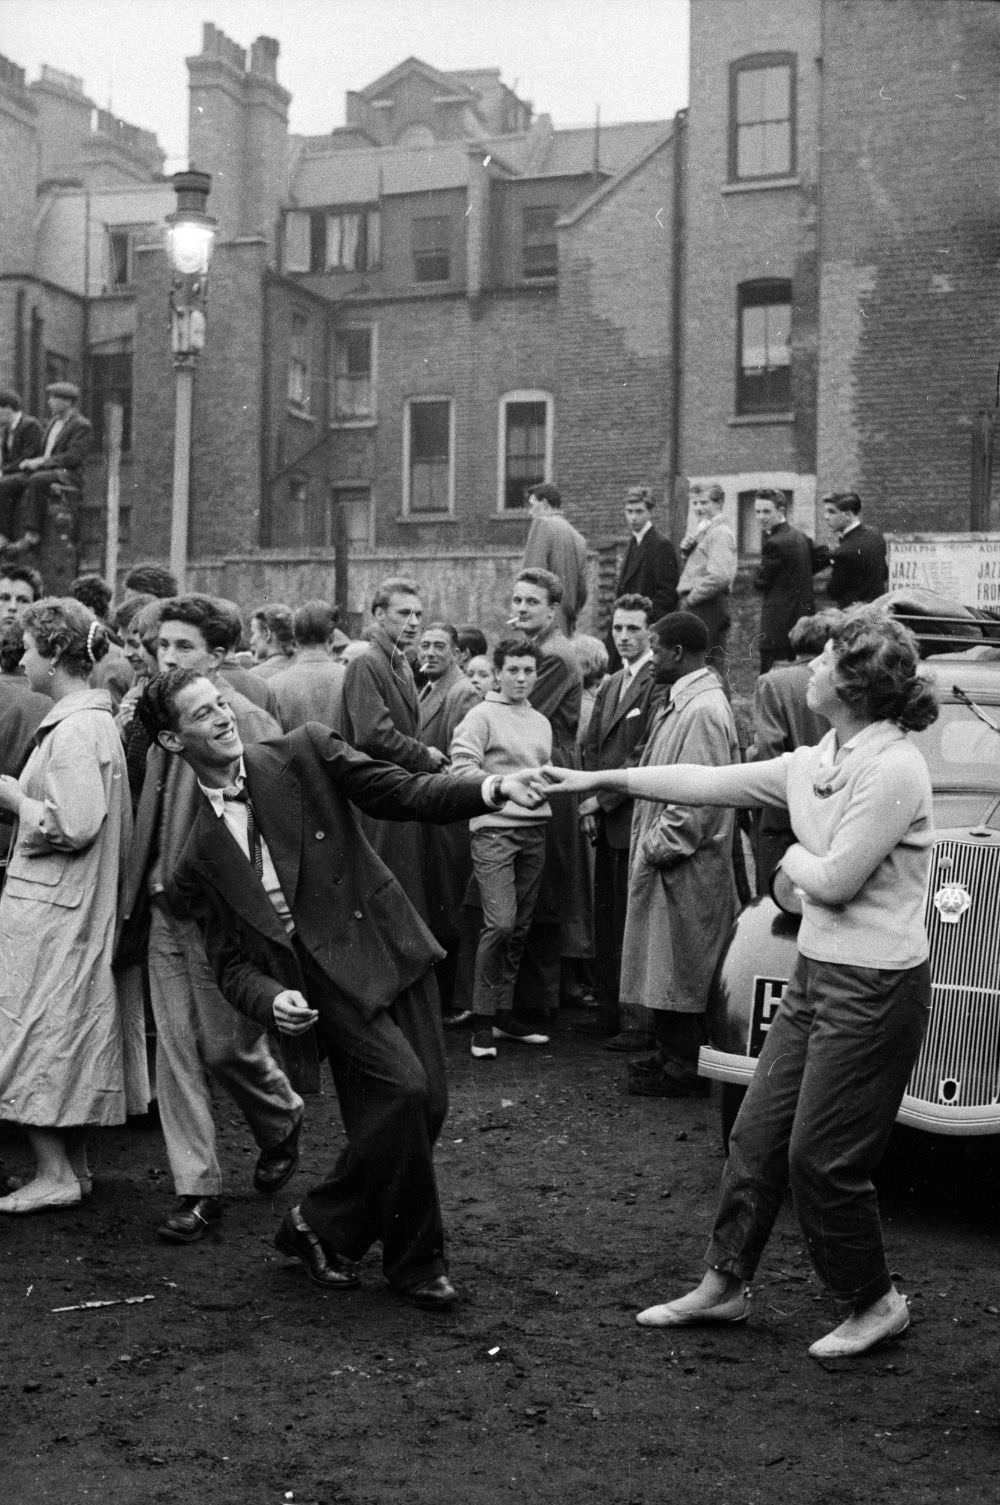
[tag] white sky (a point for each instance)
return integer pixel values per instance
(568, 57)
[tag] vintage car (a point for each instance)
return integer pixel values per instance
(955, 1085)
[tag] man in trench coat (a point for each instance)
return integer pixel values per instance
(682, 892)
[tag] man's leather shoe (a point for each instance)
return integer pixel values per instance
(331, 1271)
(190, 1220)
(628, 1042)
(434, 1295)
(663, 1084)
(603, 1028)
(277, 1165)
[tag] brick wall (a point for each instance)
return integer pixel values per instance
(910, 233)
(736, 234)
(614, 347)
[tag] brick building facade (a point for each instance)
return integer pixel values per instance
(792, 283)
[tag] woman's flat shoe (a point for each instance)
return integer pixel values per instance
(863, 1330)
(733, 1309)
(26, 1200)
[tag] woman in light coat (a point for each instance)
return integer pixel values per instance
(60, 1030)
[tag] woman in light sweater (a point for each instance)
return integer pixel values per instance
(838, 1055)
(503, 734)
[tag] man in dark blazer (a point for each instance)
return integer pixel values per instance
(65, 446)
(858, 568)
(20, 439)
(380, 715)
(614, 738)
(650, 567)
(295, 905)
(784, 576)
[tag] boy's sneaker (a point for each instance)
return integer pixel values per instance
(482, 1042)
(506, 1027)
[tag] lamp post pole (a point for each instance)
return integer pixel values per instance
(189, 239)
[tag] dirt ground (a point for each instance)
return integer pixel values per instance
(569, 1205)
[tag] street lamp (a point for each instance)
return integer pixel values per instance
(190, 237)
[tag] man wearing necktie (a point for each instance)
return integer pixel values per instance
(380, 715)
(326, 936)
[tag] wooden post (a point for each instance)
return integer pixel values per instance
(113, 430)
(983, 431)
(342, 555)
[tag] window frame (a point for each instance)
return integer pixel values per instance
(423, 400)
(299, 361)
(100, 390)
(308, 255)
(508, 400)
(745, 408)
(442, 250)
(126, 233)
(539, 240)
(752, 63)
(340, 419)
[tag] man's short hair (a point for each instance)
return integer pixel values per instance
(447, 627)
(396, 585)
(157, 706)
(11, 642)
(844, 501)
(810, 634)
(93, 591)
(27, 574)
(10, 399)
(682, 629)
(545, 580)
(772, 494)
(546, 492)
(715, 492)
(67, 390)
(641, 494)
(151, 580)
(277, 619)
(314, 623)
(472, 640)
(212, 616)
(125, 613)
(515, 647)
(634, 602)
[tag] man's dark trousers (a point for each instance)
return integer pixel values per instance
(389, 1072)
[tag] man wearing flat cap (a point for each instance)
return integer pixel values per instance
(65, 446)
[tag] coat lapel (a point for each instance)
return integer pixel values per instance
(218, 859)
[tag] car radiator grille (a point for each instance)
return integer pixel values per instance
(959, 1062)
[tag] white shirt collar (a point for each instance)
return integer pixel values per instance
(642, 531)
(217, 797)
(631, 670)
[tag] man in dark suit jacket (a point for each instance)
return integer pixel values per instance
(784, 576)
(20, 439)
(380, 715)
(650, 567)
(295, 906)
(65, 446)
(614, 738)
(858, 568)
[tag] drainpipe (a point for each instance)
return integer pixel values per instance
(677, 522)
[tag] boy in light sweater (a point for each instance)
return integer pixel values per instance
(508, 845)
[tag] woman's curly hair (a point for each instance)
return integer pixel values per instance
(878, 670)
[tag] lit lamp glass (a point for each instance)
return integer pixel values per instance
(190, 247)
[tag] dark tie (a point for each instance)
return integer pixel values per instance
(240, 796)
